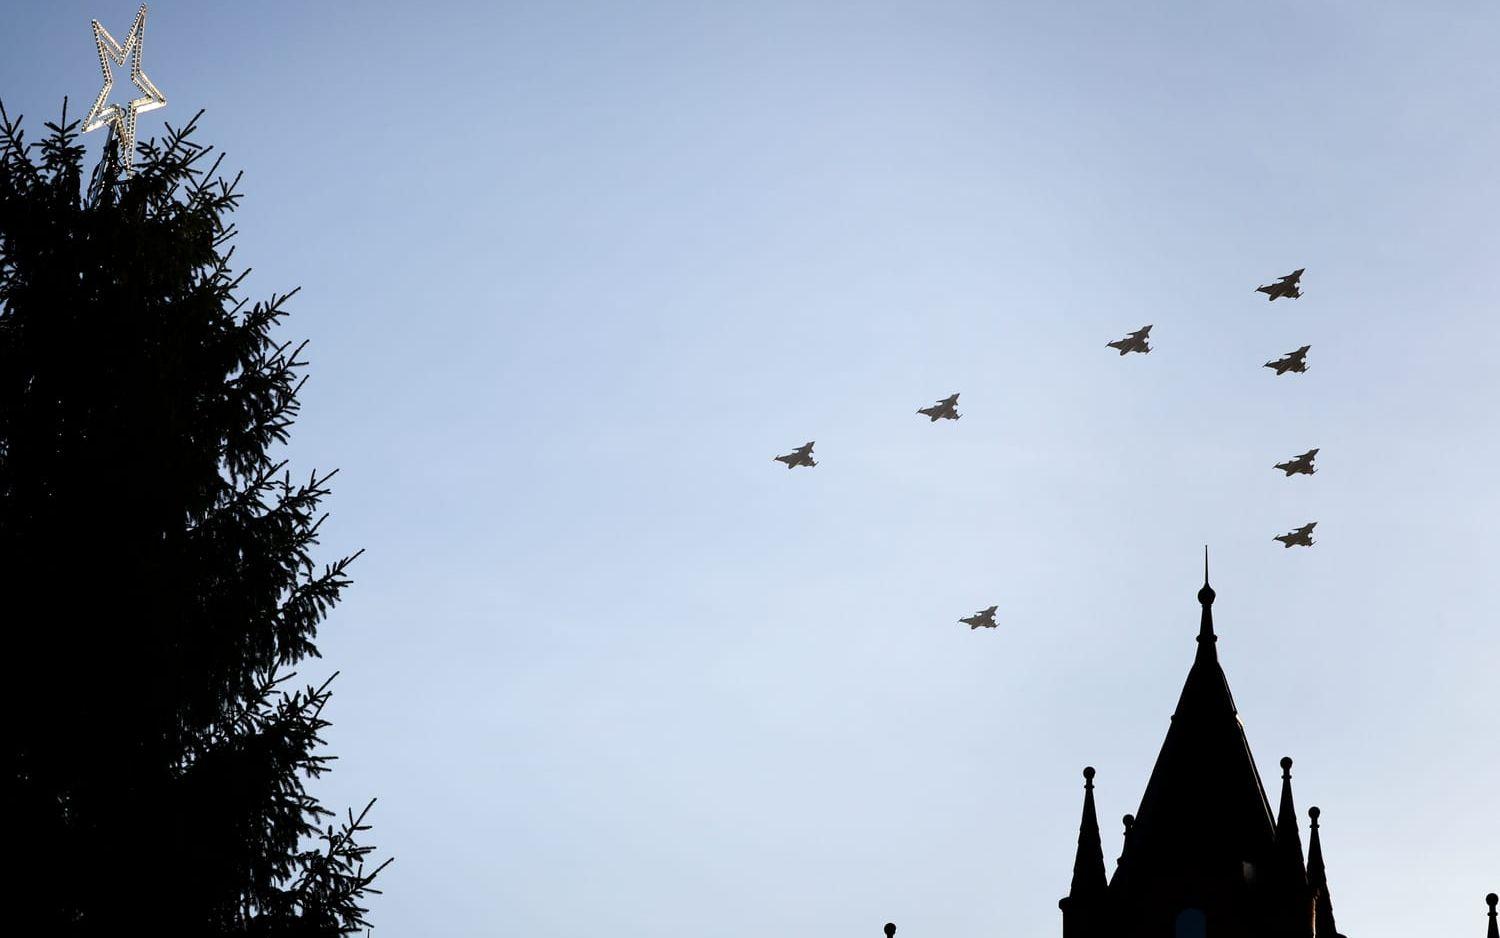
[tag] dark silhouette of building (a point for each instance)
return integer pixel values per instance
(1204, 856)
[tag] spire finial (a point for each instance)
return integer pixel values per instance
(1206, 595)
(890, 929)
(1129, 822)
(1286, 770)
(1206, 599)
(1088, 778)
(1491, 900)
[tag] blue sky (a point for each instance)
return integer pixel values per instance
(573, 273)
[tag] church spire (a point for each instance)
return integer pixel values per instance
(1204, 824)
(1291, 873)
(1317, 878)
(1088, 864)
(1288, 839)
(1082, 907)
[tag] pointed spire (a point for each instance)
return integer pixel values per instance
(1317, 878)
(1290, 872)
(1316, 874)
(1288, 839)
(1088, 866)
(1082, 907)
(1204, 814)
(1206, 599)
(1491, 900)
(1206, 691)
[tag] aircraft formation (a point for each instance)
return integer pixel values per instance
(1290, 287)
(1295, 362)
(945, 409)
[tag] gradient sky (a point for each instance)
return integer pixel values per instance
(573, 273)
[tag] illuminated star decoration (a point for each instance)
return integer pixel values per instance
(122, 119)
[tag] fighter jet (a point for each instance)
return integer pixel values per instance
(1302, 536)
(801, 456)
(945, 409)
(1291, 361)
(1302, 464)
(983, 619)
(1286, 286)
(1135, 342)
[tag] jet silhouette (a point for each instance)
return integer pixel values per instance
(1291, 361)
(1302, 464)
(945, 409)
(1134, 342)
(983, 619)
(1286, 286)
(801, 456)
(1302, 536)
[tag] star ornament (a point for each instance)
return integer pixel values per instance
(122, 117)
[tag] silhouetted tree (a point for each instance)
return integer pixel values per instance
(154, 559)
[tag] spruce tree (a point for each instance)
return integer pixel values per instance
(155, 559)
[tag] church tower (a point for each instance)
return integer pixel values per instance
(1204, 856)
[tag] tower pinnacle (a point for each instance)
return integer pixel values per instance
(1088, 866)
(1206, 599)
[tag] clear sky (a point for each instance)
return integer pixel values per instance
(573, 273)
